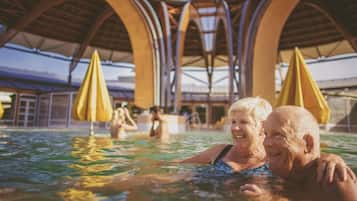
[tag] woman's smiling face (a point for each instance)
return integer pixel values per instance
(246, 131)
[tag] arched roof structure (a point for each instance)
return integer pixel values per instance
(73, 28)
(319, 28)
(61, 25)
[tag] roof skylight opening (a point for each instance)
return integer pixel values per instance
(207, 10)
(208, 23)
(208, 38)
(208, 29)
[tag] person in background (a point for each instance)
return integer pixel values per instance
(159, 128)
(292, 144)
(121, 122)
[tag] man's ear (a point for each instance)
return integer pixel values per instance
(309, 143)
(261, 131)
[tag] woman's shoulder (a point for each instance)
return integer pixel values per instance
(215, 151)
(218, 147)
(219, 151)
(206, 156)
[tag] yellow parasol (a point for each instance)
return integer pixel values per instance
(1, 110)
(300, 89)
(92, 102)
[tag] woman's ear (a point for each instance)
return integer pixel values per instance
(309, 143)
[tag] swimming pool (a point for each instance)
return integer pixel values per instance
(69, 165)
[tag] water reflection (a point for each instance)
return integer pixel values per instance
(108, 167)
(58, 165)
(91, 164)
(91, 154)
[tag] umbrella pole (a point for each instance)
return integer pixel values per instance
(91, 130)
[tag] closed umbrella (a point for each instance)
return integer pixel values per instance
(1, 110)
(300, 89)
(92, 102)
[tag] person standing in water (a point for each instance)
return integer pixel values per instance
(159, 127)
(121, 122)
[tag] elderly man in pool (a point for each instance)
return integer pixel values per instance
(292, 145)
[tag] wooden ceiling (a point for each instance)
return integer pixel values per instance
(314, 23)
(71, 20)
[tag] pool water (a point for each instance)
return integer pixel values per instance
(69, 165)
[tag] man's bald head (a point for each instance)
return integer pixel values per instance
(300, 120)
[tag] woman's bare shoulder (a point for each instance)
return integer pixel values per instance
(207, 155)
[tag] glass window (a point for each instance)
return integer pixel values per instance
(8, 101)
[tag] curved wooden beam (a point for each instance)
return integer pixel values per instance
(25, 20)
(188, 13)
(242, 45)
(180, 41)
(226, 19)
(263, 42)
(101, 18)
(144, 43)
(334, 18)
(165, 21)
(19, 4)
(157, 30)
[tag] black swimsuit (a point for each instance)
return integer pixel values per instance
(219, 167)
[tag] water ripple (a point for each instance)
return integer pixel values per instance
(53, 164)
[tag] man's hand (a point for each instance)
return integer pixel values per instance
(329, 164)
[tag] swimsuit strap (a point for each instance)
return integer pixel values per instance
(224, 151)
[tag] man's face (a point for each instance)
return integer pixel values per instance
(284, 149)
(155, 115)
(246, 131)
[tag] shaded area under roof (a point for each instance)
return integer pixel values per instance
(61, 28)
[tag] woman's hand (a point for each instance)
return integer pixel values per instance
(329, 165)
(251, 190)
(256, 193)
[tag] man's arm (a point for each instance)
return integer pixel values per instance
(330, 165)
(342, 190)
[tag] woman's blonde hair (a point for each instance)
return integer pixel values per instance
(118, 114)
(258, 107)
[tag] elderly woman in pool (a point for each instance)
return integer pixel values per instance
(119, 123)
(246, 155)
